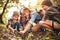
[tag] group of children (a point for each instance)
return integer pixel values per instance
(47, 17)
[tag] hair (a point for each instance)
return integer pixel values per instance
(22, 9)
(21, 12)
(15, 13)
(47, 2)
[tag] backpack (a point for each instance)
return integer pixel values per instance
(57, 7)
(53, 14)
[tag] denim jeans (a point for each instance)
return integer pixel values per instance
(15, 26)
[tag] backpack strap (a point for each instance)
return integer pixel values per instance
(52, 24)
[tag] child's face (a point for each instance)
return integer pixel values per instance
(26, 12)
(15, 17)
(44, 7)
(41, 12)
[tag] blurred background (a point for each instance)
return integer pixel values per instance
(8, 6)
(6, 10)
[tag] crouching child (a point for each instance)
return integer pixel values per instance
(13, 23)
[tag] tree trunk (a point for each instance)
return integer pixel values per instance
(3, 11)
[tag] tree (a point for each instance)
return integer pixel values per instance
(3, 11)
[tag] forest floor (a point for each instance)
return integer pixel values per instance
(6, 34)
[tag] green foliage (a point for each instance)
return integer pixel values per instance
(55, 2)
(1, 3)
(4, 19)
(30, 35)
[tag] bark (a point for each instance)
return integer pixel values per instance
(3, 11)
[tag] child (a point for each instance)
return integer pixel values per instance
(13, 23)
(51, 18)
(31, 18)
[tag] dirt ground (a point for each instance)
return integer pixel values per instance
(6, 34)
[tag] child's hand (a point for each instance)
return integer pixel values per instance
(16, 32)
(13, 30)
(22, 32)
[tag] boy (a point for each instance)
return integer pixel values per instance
(13, 23)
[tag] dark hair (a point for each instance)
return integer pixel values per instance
(47, 2)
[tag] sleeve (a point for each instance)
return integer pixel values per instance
(49, 13)
(9, 23)
(19, 24)
(33, 17)
(52, 11)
